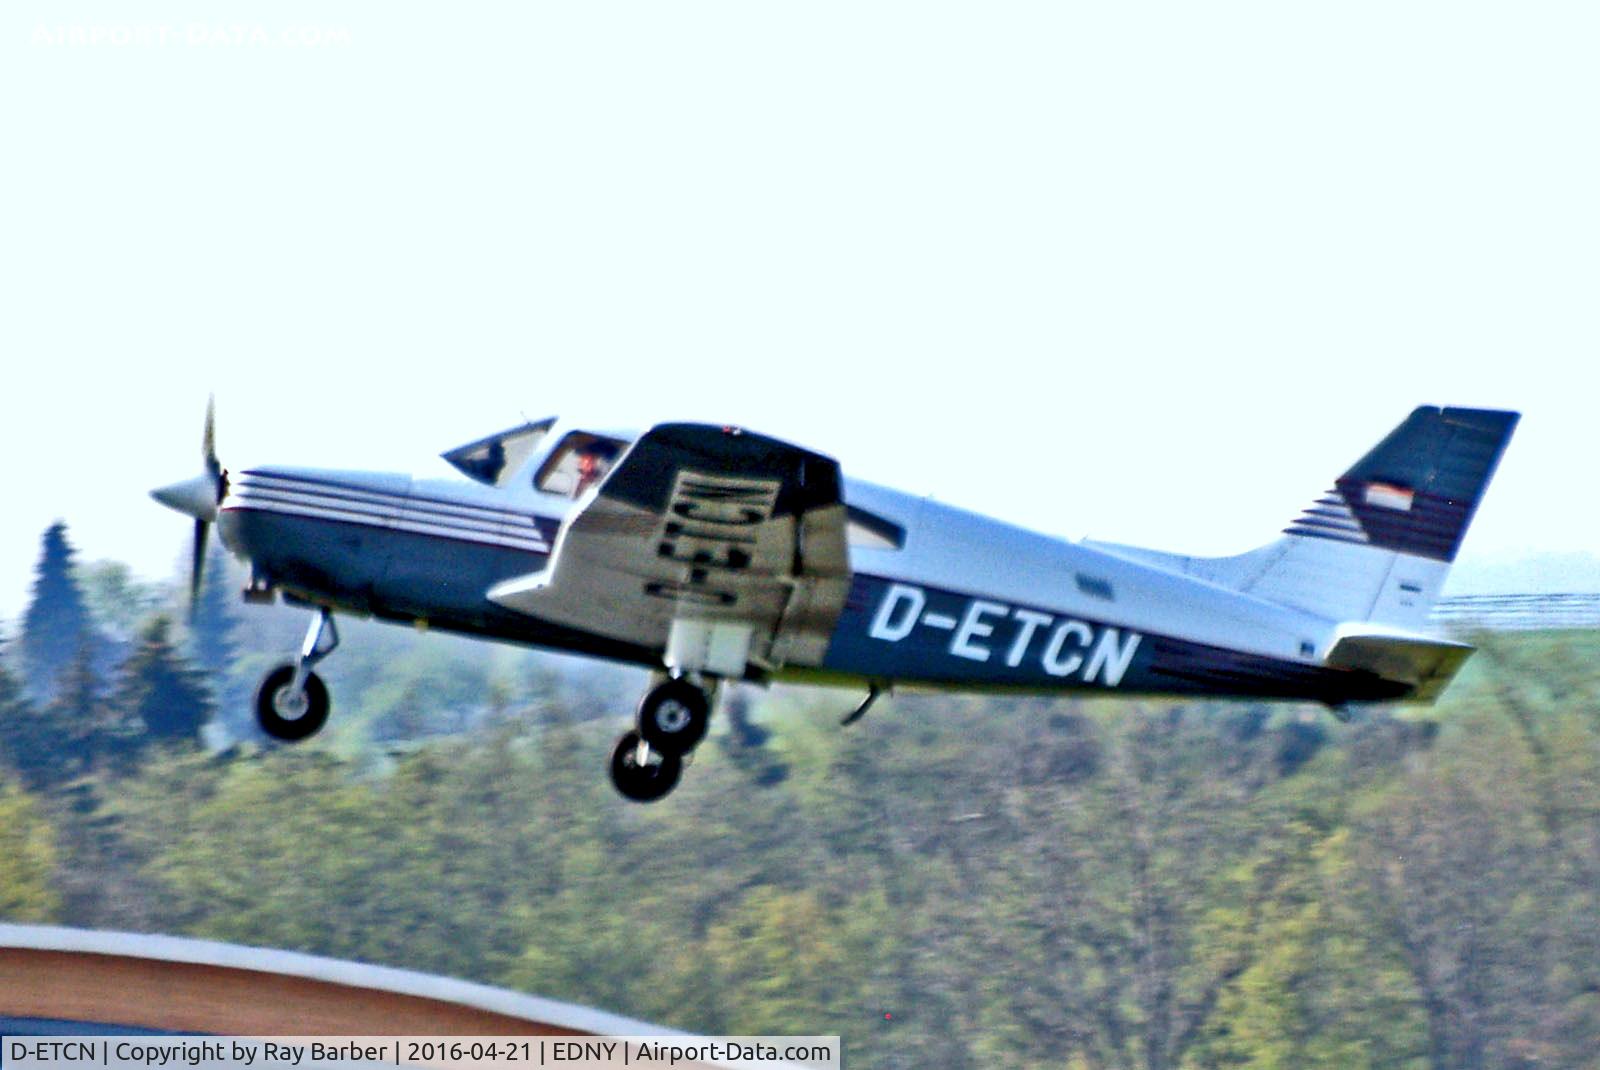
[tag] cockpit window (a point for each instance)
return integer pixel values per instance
(496, 458)
(579, 462)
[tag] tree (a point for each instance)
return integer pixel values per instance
(87, 730)
(211, 631)
(160, 690)
(214, 647)
(118, 601)
(57, 623)
(20, 744)
(27, 859)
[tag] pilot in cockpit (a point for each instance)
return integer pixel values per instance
(594, 461)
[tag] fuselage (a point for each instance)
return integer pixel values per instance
(939, 596)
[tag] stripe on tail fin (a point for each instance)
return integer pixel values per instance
(1416, 491)
(1377, 547)
(1371, 555)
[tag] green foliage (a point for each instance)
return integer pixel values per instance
(159, 691)
(23, 742)
(27, 859)
(955, 882)
(211, 628)
(85, 730)
(117, 600)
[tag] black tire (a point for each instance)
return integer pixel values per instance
(674, 716)
(276, 714)
(645, 783)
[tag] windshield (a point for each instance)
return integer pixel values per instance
(498, 457)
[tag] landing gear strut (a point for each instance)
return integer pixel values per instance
(673, 716)
(293, 701)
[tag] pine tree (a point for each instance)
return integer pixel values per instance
(211, 631)
(57, 623)
(160, 691)
(213, 648)
(89, 731)
(19, 742)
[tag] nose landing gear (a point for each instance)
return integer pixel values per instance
(293, 701)
(673, 716)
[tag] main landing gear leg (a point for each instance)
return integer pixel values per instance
(293, 701)
(673, 716)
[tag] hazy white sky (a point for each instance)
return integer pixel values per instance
(1184, 262)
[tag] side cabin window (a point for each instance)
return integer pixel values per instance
(495, 459)
(1095, 587)
(578, 462)
(872, 532)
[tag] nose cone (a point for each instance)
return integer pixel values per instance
(195, 497)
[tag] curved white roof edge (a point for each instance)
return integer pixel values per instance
(183, 949)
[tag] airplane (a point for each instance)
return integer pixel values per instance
(711, 553)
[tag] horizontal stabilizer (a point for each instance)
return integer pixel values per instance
(1426, 663)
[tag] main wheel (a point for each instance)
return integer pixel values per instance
(674, 716)
(288, 715)
(647, 782)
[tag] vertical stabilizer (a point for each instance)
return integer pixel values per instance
(1377, 546)
(1415, 493)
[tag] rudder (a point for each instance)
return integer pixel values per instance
(1417, 490)
(1376, 547)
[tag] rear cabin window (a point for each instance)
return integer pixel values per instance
(872, 532)
(578, 462)
(1095, 587)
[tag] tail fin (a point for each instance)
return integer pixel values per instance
(1377, 547)
(1415, 493)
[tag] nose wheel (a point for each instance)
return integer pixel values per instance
(287, 713)
(673, 717)
(641, 773)
(292, 702)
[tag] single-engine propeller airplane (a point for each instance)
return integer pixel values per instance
(709, 553)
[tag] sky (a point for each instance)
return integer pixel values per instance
(1154, 273)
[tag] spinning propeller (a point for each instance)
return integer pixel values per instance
(199, 497)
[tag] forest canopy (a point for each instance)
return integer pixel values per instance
(953, 882)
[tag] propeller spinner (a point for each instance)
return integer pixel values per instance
(199, 497)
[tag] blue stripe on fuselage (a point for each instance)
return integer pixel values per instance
(890, 630)
(913, 633)
(403, 576)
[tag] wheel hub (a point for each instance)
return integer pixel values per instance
(290, 704)
(673, 716)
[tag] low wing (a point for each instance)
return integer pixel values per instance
(722, 548)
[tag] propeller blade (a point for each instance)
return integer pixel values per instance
(208, 442)
(197, 565)
(200, 495)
